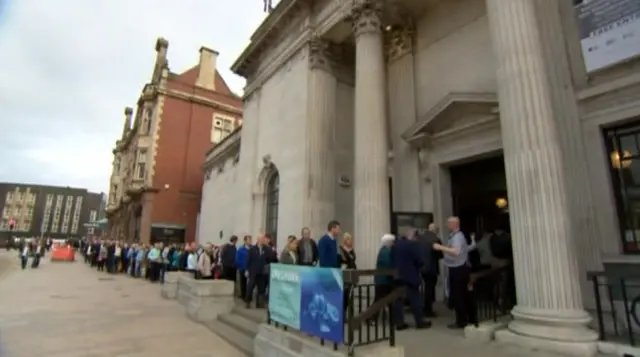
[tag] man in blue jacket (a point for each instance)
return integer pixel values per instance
(328, 246)
(408, 261)
(241, 264)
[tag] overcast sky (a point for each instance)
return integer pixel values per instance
(69, 67)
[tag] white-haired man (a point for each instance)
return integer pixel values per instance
(456, 256)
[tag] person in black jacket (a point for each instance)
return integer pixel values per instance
(258, 259)
(431, 268)
(228, 259)
(307, 249)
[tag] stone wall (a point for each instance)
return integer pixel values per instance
(204, 299)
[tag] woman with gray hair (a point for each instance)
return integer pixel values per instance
(383, 283)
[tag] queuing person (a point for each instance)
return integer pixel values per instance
(456, 259)
(431, 269)
(241, 263)
(228, 259)
(384, 283)
(117, 258)
(154, 259)
(289, 254)
(102, 257)
(347, 258)
(192, 260)
(408, 262)
(328, 246)
(258, 259)
(163, 265)
(307, 249)
(141, 254)
(205, 264)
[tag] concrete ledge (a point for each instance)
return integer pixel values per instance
(578, 349)
(484, 333)
(204, 299)
(275, 342)
(170, 286)
(617, 349)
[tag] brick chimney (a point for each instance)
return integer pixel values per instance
(207, 68)
(128, 114)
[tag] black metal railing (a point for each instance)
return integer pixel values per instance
(622, 299)
(493, 292)
(367, 320)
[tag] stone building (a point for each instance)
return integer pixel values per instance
(156, 180)
(47, 211)
(383, 114)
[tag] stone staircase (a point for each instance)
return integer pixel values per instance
(240, 327)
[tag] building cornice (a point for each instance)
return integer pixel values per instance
(265, 34)
(277, 63)
(228, 147)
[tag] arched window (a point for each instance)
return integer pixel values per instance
(273, 191)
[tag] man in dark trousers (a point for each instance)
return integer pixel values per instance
(258, 259)
(407, 259)
(228, 259)
(431, 268)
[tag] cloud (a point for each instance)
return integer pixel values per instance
(69, 67)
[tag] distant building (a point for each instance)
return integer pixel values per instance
(157, 179)
(49, 211)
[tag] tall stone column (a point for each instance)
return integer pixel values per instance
(407, 186)
(321, 116)
(549, 314)
(371, 181)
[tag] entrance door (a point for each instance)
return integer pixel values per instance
(479, 193)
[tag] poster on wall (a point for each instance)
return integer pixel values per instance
(609, 31)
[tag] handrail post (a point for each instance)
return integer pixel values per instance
(350, 326)
(596, 292)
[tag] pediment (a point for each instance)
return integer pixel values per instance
(454, 110)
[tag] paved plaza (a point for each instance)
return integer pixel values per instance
(67, 309)
(70, 310)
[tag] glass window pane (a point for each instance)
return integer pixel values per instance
(624, 165)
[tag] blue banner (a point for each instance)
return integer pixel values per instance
(308, 299)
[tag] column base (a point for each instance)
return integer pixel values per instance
(578, 349)
(564, 332)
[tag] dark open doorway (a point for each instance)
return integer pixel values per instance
(479, 193)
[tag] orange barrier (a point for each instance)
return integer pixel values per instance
(63, 254)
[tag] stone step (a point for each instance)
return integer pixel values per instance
(240, 323)
(234, 337)
(256, 315)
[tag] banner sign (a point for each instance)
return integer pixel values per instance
(308, 299)
(609, 31)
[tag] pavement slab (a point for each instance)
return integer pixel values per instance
(71, 310)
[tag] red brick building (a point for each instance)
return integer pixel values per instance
(157, 177)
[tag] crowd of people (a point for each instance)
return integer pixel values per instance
(415, 257)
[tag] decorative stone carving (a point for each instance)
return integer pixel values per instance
(398, 41)
(424, 157)
(321, 54)
(366, 16)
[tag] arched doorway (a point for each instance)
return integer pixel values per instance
(272, 201)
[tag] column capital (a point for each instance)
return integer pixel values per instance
(366, 16)
(398, 41)
(322, 54)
